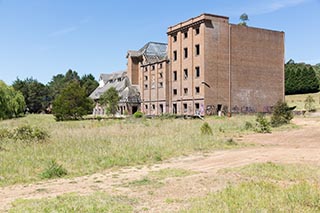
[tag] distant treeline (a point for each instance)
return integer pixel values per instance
(301, 78)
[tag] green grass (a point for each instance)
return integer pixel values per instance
(298, 100)
(268, 187)
(277, 172)
(98, 202)
(85, 147)
(261, 197)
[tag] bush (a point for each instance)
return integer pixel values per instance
(53, 170)
(27, 133)
(4, 133)
(262, 124)
(206, 129)
(282, 114)
(138, 114)
(309, 103)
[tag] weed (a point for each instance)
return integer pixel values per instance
(282, 114)
(53, 170)
(206, 129)
(248, 125)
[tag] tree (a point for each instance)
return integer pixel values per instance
(35, 93)
(72, 103)
(244, 18)
(12, 102)
(88, 83)
(282, 114)
(110, 99)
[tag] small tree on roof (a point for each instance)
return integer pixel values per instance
(110, 99)
(244, 18)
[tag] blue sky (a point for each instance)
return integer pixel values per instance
(42, 38)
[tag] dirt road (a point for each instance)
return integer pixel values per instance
(300, 145)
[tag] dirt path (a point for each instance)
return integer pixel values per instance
(295, 146)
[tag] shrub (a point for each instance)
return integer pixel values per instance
(27, 133)
(53, 170)
(282, 114)
(138, 114)
(4, 133)
(262, 124)
(206, 129)
(309, 103)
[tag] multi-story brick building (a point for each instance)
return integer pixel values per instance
(210, 65)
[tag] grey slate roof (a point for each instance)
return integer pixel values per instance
(121, 83)
(151, 52)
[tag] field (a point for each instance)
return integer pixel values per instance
(298, 100)
(162, 165)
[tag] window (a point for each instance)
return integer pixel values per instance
(153, 106)
(175, 55)
(197, 31)
(145, 78)
(146, 86)
(175, 77)
(197, 72)
(185, 74)
(174, 108)
(185, 107)
(185, 34)
(185, 91)
(161, 108)
(197, 49)
(146, 69)
(160, 84)
(174, 38)
(197, 90)
(152, 67)
(197, 106)
(160, 75)
(175, 91)
(146, 106)
(185, 51)
(160, 66)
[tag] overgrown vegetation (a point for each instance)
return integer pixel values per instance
(309, 103)
(262, 190)
(110, 99)
(88, 146)
(138, 114)
(98, 202)
(282, 114)
(25, 133)
(12, 103)
(53, 170)
(206, 129)
(72, 103)
(262, 124)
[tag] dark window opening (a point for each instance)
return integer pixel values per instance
(175, 75)
(185, 50)
(185, 91)
(175, 91)
(197, 31)
(197, 90)
(174, 108)
(197, 72)
(185, 34)
(185, 107)
(185, 74)
(197, 49)
(175, 56)
(174, 38)
(161, 108)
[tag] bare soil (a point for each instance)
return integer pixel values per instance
(301, 145)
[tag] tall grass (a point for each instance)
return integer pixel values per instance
(268, 187)
(85, 147)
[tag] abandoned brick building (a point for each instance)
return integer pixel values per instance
(209, 65)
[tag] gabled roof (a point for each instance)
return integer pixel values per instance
(151, 52)
(121, 83)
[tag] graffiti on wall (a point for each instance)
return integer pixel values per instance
(243, 109)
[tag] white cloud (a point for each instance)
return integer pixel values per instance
(64, 31)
